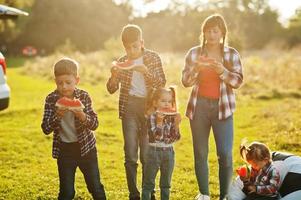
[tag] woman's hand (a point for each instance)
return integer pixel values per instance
(218, 67)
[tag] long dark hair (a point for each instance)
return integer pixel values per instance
(212, 21)
(156, 94)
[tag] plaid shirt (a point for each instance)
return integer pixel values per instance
(51, 123)
(165, 134)
(267, 181)
(154, 78)
(232, 77)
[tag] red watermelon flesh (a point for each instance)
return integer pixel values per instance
(243, 171)
(167, 111)
(206, 60)
(128, 64)
(68, 103)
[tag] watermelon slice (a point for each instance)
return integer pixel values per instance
(167, 111)
(126, 65)
(69, 104)
(206, 60)
(243, 171)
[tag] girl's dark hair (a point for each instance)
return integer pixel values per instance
(156, 94)
(256, 151)
(212, 21)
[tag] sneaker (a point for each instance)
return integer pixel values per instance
(202, 197)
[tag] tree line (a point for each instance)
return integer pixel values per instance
(88, 24)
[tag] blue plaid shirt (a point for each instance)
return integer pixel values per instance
(51, 123)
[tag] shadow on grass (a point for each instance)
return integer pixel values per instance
(275, 94)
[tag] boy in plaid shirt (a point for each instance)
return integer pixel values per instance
(73, 138)
(135, 86)
(264, 180)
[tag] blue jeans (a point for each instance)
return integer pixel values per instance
(163, 159)
(206, 116)
(69, 159)
(135, 136)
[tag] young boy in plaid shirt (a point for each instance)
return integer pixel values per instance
(73, 137)
(135, 86)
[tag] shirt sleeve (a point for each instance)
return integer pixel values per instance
(156, 74)
(233, 74)
(272, 187)
(91, 117)
(50, 120)
(189, 75)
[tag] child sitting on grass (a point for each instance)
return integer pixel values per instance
(264, 180)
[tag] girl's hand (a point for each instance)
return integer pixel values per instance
(80, 115)
(218, 67)
(178, 119)
(251, 188)
(159, 119)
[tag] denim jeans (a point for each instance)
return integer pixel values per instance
(206, 116)
(69, 159)
(158, 159)
(135, 136)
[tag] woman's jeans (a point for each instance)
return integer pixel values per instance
(135, 135)
(206, 116)
(158, 158)
(69, 159)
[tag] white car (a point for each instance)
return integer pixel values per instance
(6, 12)
(4, 88)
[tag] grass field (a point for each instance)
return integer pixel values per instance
(268, 110)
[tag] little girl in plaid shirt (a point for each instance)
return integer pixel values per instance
(163, 131)
(264, 180)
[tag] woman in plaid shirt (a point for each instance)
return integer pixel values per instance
(213, 70)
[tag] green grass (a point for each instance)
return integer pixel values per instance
(27, 170)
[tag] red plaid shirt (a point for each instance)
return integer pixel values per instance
(51, 123)
(231, 78)
(155, 78)
(267, 181)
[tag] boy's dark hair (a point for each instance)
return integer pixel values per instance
(256, 151)
(66, 66)
(131, 33)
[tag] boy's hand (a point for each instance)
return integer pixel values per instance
(60, 112)
(141, 68)
(80, 115)
(114, 71)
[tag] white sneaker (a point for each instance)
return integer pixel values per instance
(202, 197)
